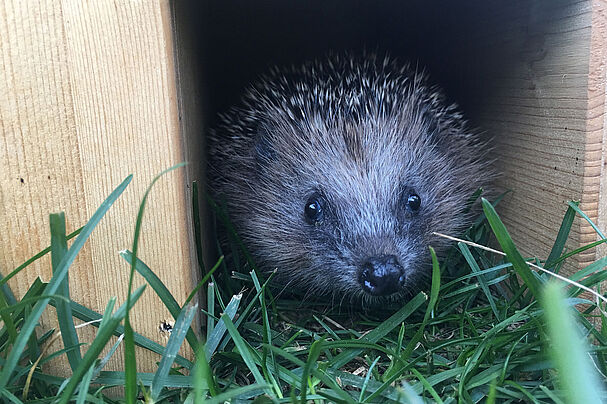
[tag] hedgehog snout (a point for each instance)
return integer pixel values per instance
(381, 276)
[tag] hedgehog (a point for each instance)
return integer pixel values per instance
(337, 174)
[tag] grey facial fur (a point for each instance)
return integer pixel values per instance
(321, 165)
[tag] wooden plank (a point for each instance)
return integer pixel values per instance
(596, 116)
(534, 102)
(88, 96)
(185, 23)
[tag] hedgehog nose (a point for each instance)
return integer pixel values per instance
(381, 275)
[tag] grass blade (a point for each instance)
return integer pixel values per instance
(116, 378)
(505, 241)
(130, 360)
(320, 375)
(562, 236)
(575, 206)
(267, 335)
(210, 311)
(107, 357)
(433, 299)
(233, 393)
(313, 354)
(161, 290)
(19, 314)
(220, 329)
(197, 227)
(28, 327)
(88, 315)
(243, 349)
(84, 386)
(363, 388)
(575, 372)
(36, 257)
(481, 279)
(64, 310)
(203, 281)
(577, 251)
(10, 397)
(103, 335)
(203, 378)
(130, 364)
(427, 386)
(16, 309)
(6, 291)
(404, 356)
(383, 329)
(590, 269)
(181, 328)
(7, 319)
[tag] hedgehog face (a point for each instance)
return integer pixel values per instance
(366, 232)
(334, 218)
(363, 245)
(338, 176)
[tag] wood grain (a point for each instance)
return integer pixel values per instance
(538, 104)
(596, 183)
(88, 96)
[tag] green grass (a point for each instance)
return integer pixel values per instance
(489, 329)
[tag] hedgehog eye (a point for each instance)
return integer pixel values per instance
(314, 209)
(414, 202)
